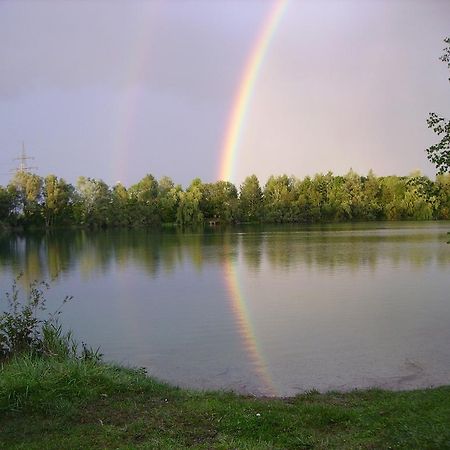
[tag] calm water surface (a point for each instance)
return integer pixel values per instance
(269, 311)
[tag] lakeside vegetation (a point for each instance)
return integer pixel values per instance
(31, 201)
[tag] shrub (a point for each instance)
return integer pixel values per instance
(27, 327)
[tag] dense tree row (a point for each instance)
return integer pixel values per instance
(32, 201)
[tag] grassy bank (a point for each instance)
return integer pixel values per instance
(67, 403)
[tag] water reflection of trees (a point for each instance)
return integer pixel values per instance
(48, 255)
(354, 251)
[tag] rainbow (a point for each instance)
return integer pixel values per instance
(130, 104)
(227, 164)
(245, 90)
(245, 328)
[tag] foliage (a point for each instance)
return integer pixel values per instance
(189, 212)
(250, 200)
(439, 154)
(219, 201)
(20, 327)
(26, 189)
(278, 198)
(144, 202)
(31, 201)
(7, 205)
(94, 202)
(27, 327)
(57, 199)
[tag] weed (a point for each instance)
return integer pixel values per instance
(26, 326)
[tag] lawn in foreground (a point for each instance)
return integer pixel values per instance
(49, 403)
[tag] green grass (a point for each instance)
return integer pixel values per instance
(46, 403)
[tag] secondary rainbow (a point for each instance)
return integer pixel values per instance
(245, 90)
(131, 98)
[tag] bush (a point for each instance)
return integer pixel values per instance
(27, 327)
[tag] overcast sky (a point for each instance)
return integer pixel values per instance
(115, 89)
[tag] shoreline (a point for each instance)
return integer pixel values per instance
(58, 403)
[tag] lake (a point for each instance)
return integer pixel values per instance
(263, 310)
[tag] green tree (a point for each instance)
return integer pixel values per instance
(188, 211)
(306, 201)
(95, 201)
(353, 188)
(57, 199)
(336, 202)
(419, 200)
(7, 206)
(120, 206)
(168, 198)
(439, 154)
(278, 199)
(144, 201)
(393, 193)
(219, 200)
(250, 200)
(27, 187)
(146, 190)
(373, 209)
(442, 186)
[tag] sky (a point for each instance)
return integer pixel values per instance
(115, 90)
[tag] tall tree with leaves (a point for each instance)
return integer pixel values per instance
(439, 154)
(168, 196)
(27, 189)
(95, 201)
(278, 198)
(57, 199)
(250, 200)
(189, 211)
(144, 201)
(120, 206)
(7, 205)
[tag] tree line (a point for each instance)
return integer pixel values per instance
(46, 202)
